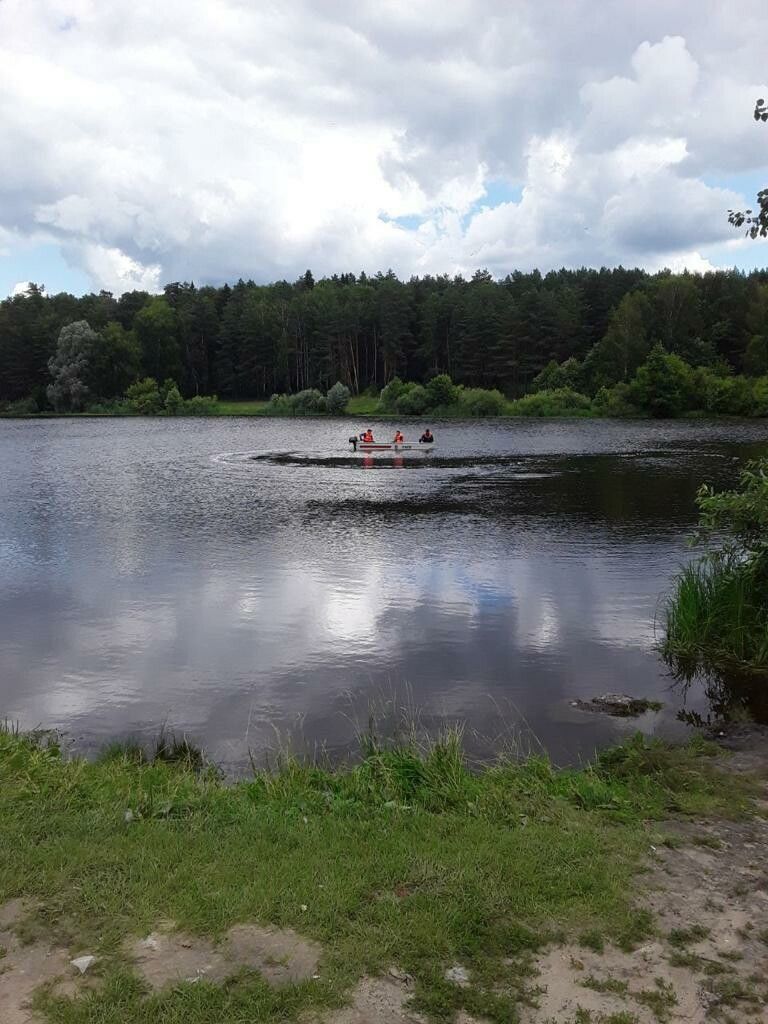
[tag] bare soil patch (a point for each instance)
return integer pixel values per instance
(281, 956)
(626, 979)
(24, 967)
(378, 1001)
(383, 1000)
(707, 887)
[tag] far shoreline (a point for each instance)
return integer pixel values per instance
(262, 410)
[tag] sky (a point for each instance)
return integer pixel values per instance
(145, 142)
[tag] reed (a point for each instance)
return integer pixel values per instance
(717, 617)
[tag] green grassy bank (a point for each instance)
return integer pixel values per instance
(406, 858)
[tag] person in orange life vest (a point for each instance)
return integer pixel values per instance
(367, 436)
(398, 437)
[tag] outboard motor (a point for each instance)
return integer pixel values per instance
(353, 442)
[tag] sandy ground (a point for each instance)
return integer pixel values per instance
(707, 888)
(706, 885)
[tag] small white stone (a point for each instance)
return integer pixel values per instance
(82, 963)
(457, 974)
(128, 816)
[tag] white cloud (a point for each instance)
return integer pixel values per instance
(117, 272)
(189, 140)
(20, 288)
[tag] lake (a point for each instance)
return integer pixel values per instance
(247, 580)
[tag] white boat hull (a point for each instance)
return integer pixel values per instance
(391, 446)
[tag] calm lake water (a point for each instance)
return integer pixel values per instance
(243, 579)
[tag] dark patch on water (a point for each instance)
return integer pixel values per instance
(380, 461)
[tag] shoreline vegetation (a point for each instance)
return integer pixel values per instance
(717, 613)
(405, 868)
(571, 343)
(663, 387)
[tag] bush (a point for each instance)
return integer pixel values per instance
(173, 402)
(144, 397)
(301, 404)
(614, 401)
(480, 402)
(280, 405)
(113, 407)
(442, 391)
(337, 398)
(201, 405)
(731, 396)
(390, 394)
(760, 397)
(308, 401)
(22, 407)
(560, 402)
(414, 401)
(555, 376)
(663, 385)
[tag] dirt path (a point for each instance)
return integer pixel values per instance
(707, 887)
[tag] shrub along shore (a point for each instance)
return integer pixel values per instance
(404, 858)
(717, 615)
(663, 386)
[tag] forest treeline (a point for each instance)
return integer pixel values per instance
(581, 329)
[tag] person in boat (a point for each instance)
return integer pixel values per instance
(427, 437)
(367, 436)
(398, 438)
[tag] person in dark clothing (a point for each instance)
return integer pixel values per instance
(427, 437)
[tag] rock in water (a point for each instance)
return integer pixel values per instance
(619, 704)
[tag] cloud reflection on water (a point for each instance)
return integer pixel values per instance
(148, 579)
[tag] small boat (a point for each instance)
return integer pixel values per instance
(389, 446)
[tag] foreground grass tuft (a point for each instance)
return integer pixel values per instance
(406, 858)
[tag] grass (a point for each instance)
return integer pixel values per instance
(682, 937)
(252, 408)
(405, 858)
(684, 958)
(611, 985)
(583, 1016)
(363, 405)
(717, 617)
(732, 992)
(660, 1000)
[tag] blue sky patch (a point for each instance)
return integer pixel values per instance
(42, 263)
